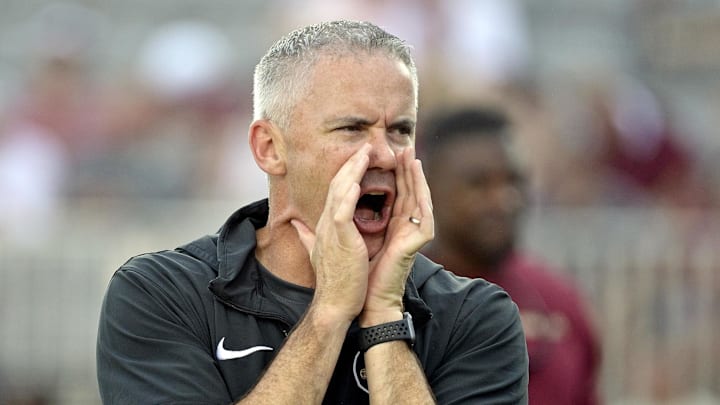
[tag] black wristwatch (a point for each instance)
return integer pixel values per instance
(387, 332)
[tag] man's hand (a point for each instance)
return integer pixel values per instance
(345, 284)
(337, 250)
(390, 268)
(348, 283)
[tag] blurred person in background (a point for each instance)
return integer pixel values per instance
(479, 195)
(181, 91)
(495, 54)
(644, 156)
(317, 294)
(59, 90)
(52, 120)
(33, 166)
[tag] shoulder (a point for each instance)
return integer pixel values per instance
(160, 288)
(474, 342)
(191, 262)
(157, 306)
(167, 275)
(159, 271)
(433, 279)
(452, 296)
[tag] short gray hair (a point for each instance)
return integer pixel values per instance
(279, 78)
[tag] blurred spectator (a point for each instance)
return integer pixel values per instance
(53, 120)
(59, 93)
(558, 176)
(478, 195)
(645, 158)
(485, 43)
(184, 60)
(33, 165)
(178, 126)
(417, 22)
(628, 149)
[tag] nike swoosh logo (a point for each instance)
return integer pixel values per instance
(224, 354)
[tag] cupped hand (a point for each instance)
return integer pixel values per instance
(338, 253)
(391, 266)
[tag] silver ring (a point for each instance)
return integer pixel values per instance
(415, 220)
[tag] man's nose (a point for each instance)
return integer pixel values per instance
(383, 152)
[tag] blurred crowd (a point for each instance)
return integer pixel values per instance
(167, 118)
(171, 121)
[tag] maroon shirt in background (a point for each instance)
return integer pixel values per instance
(563, 348)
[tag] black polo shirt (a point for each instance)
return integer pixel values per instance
(199, 324)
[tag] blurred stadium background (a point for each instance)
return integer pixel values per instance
(122, 130)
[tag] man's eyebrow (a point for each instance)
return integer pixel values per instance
(351, 120)
(403, 123)
(348, 121)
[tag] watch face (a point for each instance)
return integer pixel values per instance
(410, 327)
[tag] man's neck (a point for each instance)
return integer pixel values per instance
(279, 250)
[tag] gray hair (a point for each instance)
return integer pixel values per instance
(280, 77)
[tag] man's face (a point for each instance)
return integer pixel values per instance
(477, 196)
(350, 101)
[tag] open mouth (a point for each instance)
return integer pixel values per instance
(370, 206)
(375, 205)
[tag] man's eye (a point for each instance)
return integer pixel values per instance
(350, 128)
(402, 130)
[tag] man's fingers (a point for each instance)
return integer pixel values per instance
(424, 202)
(422, 189)
(346, 206)
(354, 169)
(405, 201)
(350, 173)
(410, 184)
(307, 237)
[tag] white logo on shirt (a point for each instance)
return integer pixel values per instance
(360, 373)
(224, 354)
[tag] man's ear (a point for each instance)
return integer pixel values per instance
(267, 146)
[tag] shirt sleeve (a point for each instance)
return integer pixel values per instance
(486, 359)
(151, 348)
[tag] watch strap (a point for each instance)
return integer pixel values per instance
(387, 332)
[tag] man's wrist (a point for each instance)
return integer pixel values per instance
(373, 318)
(388, 332)
(323, 318)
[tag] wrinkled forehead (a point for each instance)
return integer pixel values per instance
(349, 83)
(358, 80)
(366, 68)
(320, 59)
